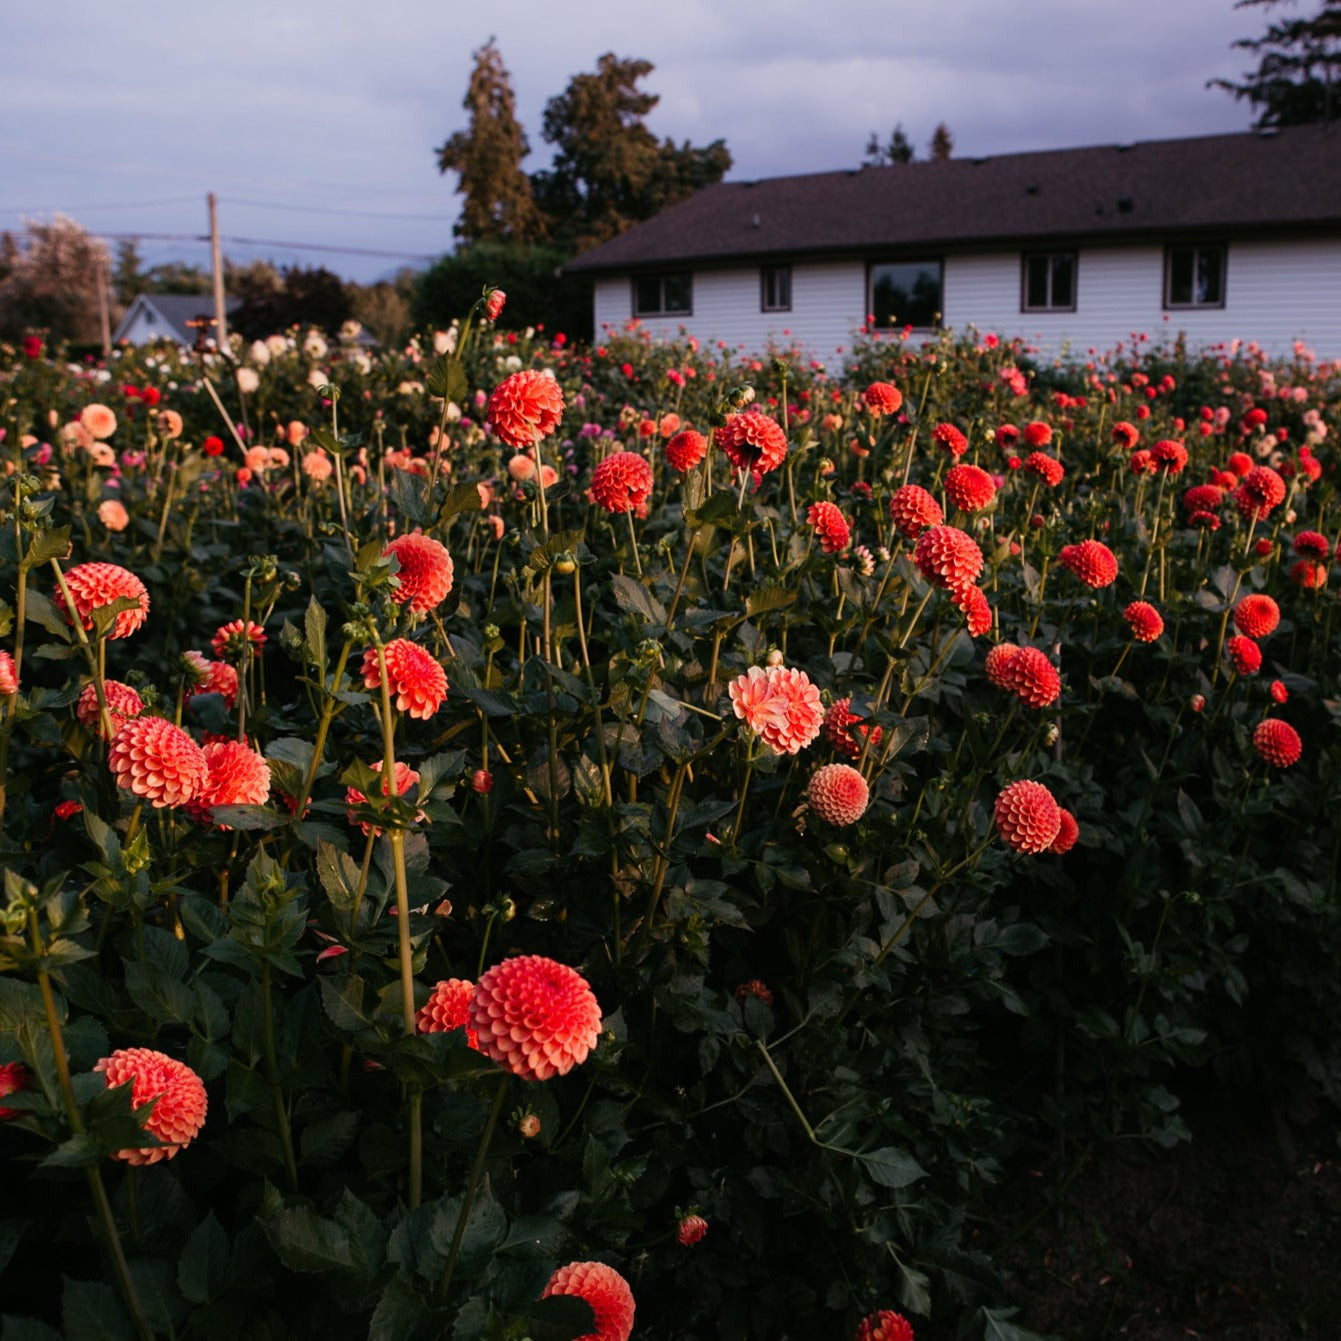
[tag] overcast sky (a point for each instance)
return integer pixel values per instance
(316, 123)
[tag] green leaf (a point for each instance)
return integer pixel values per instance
(461, 498)
(161, 997)
(204, 1262)
(997, 1327)
(304, 1241)
(27, 1329)
(247, 817)
(447, 379)
(103, 617)
(768, 597)
(41, 609)
(397, 1314)
(47, 545)
(92, 1312)
(631, 596)
(11, 1231)
(314, 630)
(892, 1167)
(484, 1230)
(342, 999)
(561, 1317)
(324, 1142)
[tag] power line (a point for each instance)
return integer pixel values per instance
(319, 209)
(98, 205)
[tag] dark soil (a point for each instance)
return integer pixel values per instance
(1235, 1236)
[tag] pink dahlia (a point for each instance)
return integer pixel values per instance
(425, 572)
(230, 639)
(969, 488)
(535, 1016)
(122, 702)
(752, 441)
(177, 1093)
(158, 762)
(842, 727)
(1091, 561)
(605, 1290)
(9, 679)
(525, 408)
(912, 509)
(948, 557)
(838, 794)
(93, 585)
(448, 1008)
(685, 450)
(238, 776)
(1028, 816)
(830, 525)
(1145, 621)
(417, 682)
(622, 482)
(1256, 615)
(1277, 742)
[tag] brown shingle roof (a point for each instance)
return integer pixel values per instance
(1289, 179)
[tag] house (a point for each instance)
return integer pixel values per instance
(1217, 238)
(164, 316)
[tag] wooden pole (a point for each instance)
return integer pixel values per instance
(104, 317)
(216, 264)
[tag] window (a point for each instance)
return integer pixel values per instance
(1049, 282)
(1194, 276)
(904, 293)
(668, 295)
(775, 288)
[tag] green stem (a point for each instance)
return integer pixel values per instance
(272, 1072)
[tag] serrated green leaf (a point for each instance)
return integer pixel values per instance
(892, 1167)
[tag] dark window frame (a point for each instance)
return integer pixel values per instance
(764, 272)
(937, 260)
(1196, 248)
(1049, 256)
(661, 276)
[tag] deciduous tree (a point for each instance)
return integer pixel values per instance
(1299, 59)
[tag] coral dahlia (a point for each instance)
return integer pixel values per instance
(1067, 835)
(969, 488)
(1028, 816)
(535, 1016)
(98, 420)
(93, 585)
(1277, 742)
(838, 793)
(1310, 576)
(830, 525)
(406, 777)
(842, 727)
(949, 437)
(752, 441)
(425, 571)
(605, 1290)
(237, 776)
(525, 408)
(1034, 680)
(912, 509)
(622, 482)
(415, 679)
(998, 663)
(976, 607)
(948, 557)
(1256, 615)
(882, 398)
(158, 762)
(685, 450)
(1091, 561)
(230, 639)
(691, 1230)
(1146, 622)
(122, 702)
(178, 1095)
(884, 1325)
(447, 1008)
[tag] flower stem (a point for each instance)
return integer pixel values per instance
(272, 1072)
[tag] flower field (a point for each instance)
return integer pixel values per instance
(816, 792)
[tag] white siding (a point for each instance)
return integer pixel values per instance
(1276, 292)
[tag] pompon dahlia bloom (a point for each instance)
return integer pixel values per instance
(884, 1325)
(830, 525)
(535, 1016)
(406, 778)
(622, 482)
(1239, 464)
(1028, 816)
(1311, 576)
(1126, 435)
(1038, 434)
(1277, 743)
(237, 776)
(158, 762)
(1034, 680)
(14, 1079)
(976, 607)
(912, 509)
(1170, 455)
(1091, 561)
(1047, 468)
(417, 682)
(93, 585)
(9, 679)
(98, 420)
(1244, 655)
(752, 441)
(525, 408)
(317, 466)
(448, 1008)
(122, 702)
(691, 1230)
(842, 727)
(230, 639)
(969, 488)
(838, 793)
(950, 438)
(179, 1111)
(113, 515)
(1312, 545)
(605, 1290)
(216, 677)
(1203, 498)
(1145, 621)
(948, 557)
(685, 450)
(425, 572)
(1067, 835)
(998, 664)
(1259, 493)
(1256, 615)
(882, 398)
(1142, 463)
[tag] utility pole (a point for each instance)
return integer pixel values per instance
(104, 318)
(216, 265)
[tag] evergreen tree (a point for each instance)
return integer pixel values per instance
(898, 150)
(1299, 59)
(487, 158)
(942, 144)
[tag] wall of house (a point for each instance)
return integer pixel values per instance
(1275, 293)
(139, 329)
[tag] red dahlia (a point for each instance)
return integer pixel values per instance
(691, 1230)
(1256, 615)
(949, 437)
(830, 525)
(1141, 462)
(883, 398)
(1034, 680)
(1310, 576)
(622, 482)
(1126, 435)
(839, 794)
(425, 573)
(158, 762)
(1067, 834)
(752, 441)
(685, 450)
(1028, 816)
(976, 607)
(1047, 468)
(1146, 622)
(525, 408)
(1244, 654)
(969, 488)
(1239, 464)
(14, 1078)
(1170, 455)
(1038, 434)
(1203, 498)
(415, 679)
(1277, 742)
(177, 1092)
(535, 1016)
(998, 664)
(884, 1325)
(1311, 545)
(842, 728)
(948, 557)
(605, 1290)
(913, 509)
(1260, 491)
(1091, 561)
(448, 1008)
(93, 585)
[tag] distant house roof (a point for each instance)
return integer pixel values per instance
(1286, 179)
(172, 311)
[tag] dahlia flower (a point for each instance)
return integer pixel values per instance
(1170, 455)
(685, 450)
(949, 437)
(113, 515)
(752, 441)
(912, 509)
(1256, 615)
(525, 408)
(158, 762)
(123, 703)
(1091, 561)
(976, 607)
(1146, 622)
(179, 1099)
(881, 398)
(842, 726)
(93, 585)
(415, 679)
(1260, 491)
(838, 794)
(1034, 680)
(969, 488)
(1038, 434)
(1067, 835)
(535, 1016)
(691, 1230)
(884, 1325)
(1028, 816)
(14, 1079)
(98, 420)
(605, 1290)
(406, 778)
(997, 665)
(1277, 742)
(448, 1008)
(830, 525)
(1047, 468)
(425, 573)
(231, 638)
(622, 482)
(1244, 655)
(780, 705)
(948, 557)
(1312, 545)
(9, 679)
(237, 776)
